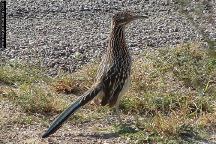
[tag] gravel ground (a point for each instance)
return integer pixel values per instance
(67, 34)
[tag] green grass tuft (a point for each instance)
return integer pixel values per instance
(15, 73)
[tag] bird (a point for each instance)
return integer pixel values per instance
(113, 75)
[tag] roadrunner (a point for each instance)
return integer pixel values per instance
(113, 75)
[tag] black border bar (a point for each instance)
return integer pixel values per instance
(2, 24)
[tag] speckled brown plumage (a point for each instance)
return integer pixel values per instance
(113, 75)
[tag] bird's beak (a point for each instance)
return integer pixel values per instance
(140, 17)
(137, 17)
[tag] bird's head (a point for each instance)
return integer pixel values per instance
(123, 18)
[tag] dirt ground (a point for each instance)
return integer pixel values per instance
(13, 131)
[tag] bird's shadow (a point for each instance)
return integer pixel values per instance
(120, 129)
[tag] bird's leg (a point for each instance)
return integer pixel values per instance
(115, 114)
(118, 114)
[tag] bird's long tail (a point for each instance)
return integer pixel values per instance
(85, 98)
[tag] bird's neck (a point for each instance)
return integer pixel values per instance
(117, 39)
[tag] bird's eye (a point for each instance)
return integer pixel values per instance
(122, 17)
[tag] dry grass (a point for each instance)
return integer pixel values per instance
(172, 94)
(28, 87)
(76, 83)
(172, 90)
